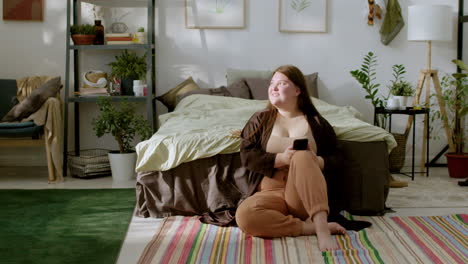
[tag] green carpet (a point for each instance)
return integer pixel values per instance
(64, 225)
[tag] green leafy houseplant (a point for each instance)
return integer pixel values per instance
(141, 29)
(400, 87)
(366, 76)
(455, 98)
(83, 34)
(121, 122)
(85, 29)
(128, 65)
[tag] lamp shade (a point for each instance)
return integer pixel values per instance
(430, 22)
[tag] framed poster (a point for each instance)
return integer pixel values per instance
(23, 10)
(303, 16)
(227, 14)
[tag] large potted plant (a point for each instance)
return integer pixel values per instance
(455, 100)
(83, 34)
(128, 66)
(123, 123)
(366, 76)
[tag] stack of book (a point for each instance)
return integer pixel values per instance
(119, 39)
(93, 92)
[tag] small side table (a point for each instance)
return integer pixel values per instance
(413, 112)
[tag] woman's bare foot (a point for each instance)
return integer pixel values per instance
(336, 228)
(326, 242)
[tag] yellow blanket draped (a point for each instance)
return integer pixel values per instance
(49, 116)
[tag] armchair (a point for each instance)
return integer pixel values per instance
(32, 110)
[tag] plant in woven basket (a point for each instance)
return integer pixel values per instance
(366, 76)
(83, 34)
(121, 122)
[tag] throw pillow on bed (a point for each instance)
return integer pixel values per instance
(237, 89)
(169, 99)
(259, 86)
(34, 101)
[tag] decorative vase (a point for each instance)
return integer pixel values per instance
(99, 33)
(141, 36)
(127, 87)
(79, 39)
(138, 87)
(457, 165)
(403, 101)
(122, 165)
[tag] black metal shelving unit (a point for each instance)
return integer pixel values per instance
(73, 17)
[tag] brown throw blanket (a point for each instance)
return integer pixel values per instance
(49, 116)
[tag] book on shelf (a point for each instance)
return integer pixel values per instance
(119, 38)
(92, 92)
(117, 35)
(120, 42)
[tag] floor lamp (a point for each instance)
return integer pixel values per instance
(429, 23)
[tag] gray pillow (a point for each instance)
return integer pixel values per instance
(34, 101)
(234, 75)
(237, 89)
(220, 91)
(259, 86)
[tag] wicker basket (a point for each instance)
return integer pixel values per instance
(397, 156)
(91, 163)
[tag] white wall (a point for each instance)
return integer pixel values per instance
(39, 48)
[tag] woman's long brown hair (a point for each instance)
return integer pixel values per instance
(304, 103)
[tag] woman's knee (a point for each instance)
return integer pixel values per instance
(304, 156)
(249, 218)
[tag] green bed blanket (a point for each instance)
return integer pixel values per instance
(201, 126)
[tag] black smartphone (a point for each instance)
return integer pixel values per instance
(300, 144)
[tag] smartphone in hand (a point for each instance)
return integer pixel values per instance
(300, 144)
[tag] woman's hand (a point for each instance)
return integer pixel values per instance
(284, 158)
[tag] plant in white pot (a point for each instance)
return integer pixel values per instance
(399, 88)
(123, 123)
(455, 99)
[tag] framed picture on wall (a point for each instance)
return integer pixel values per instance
(303, 16)
(227, 14)
(23, 10)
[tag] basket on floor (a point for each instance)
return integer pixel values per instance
(90, 163)
(397, 156)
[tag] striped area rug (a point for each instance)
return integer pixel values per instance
(437, 239)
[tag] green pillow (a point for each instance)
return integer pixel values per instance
(169, 99)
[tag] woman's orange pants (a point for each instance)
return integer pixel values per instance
(283, 202)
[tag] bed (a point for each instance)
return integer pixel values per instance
(192, 166)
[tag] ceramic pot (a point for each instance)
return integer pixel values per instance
(83, 39)
(122, 165)
(457, 165)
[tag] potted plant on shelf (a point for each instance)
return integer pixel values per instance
(123, 123)
(399, 88)
(83, 34)
(128, 66)
(141, 35)
(455, 99)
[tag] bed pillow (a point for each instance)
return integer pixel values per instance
(234, 75)
(169, 99)
(259, 86)
(220, 91)
(237, 89)
(34, 101)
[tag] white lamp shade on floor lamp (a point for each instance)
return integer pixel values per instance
(430, 22)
